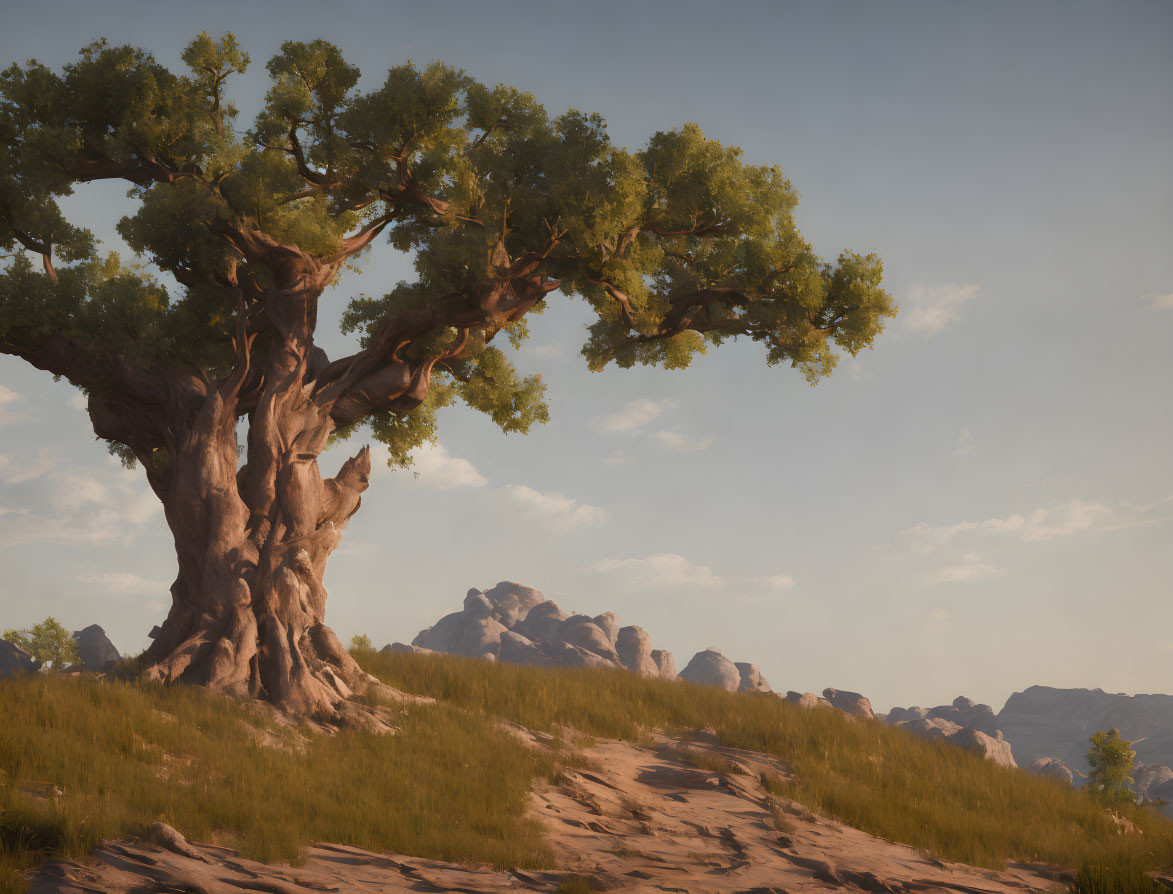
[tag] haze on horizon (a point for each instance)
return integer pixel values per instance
(981, 503)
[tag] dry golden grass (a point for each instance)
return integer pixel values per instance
(453, 785)
(932, 796)
(450, 785)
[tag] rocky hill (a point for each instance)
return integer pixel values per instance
(518, 624)
(1046, 722)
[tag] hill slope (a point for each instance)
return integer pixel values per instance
(84, 761)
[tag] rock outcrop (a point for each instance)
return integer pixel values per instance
(806, 700)
(711, 668)
(1153, 784)
(751, 678)
(994, 747)
(849, 702)
(634, 646)
(1052, 768)
(94, 649)
(665, 662)
(15, 661)
(1046, 722)
(963, 712)
(514, 623)
(964, 723)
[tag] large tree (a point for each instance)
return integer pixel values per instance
(676, 247)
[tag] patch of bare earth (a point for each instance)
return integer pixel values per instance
(641, 820)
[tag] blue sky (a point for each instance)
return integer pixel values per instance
(981, 503)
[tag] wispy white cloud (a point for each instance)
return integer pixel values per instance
(963, 551)
(1071, 517)
(8, 398)
(125, 583)
(556, 508)
(112, 507)
(964, 442)
(154, 594)
(778, 582)
(78, 401)
(548, 351)
(963, 572)
(662, 571)
(15, 471)
(433, 466)
(8, 510)
(436, 467)
(1159, 300)
(618, 458)
(634, 415)
(674, 440)
(929, 310)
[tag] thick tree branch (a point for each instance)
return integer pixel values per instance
(91, 165)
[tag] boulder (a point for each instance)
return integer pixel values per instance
(541, 622)
(634, 646)
(405, 649)
(993, 748)
(540, 634)
(1052, 768)
(477, 607)
(665, 662)
(516, 649)
(480, 637)
(898, 715)
(443, 635)
(15, 661)
(965, 712)
(513, 602)
(711, 668)
(849, 702)
(1153, 784)
(751, 678)
(579, 630)
(608, 622)
(570, 655)
(938, 729)
(933, 728)
(473, 631)
(94, 649)
(802, 699)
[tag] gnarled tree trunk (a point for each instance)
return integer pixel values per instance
(248, 604)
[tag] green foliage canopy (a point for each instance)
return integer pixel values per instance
(1111, 760)
(48, 642)
(676, 247)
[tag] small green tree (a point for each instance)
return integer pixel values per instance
(1111, 758)
(361, 643)
(48, 642)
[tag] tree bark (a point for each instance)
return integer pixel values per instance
(248, 604)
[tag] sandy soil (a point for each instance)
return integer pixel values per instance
(642, 819)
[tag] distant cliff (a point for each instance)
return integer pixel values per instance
(1048, 722)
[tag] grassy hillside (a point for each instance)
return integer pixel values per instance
(452, 785)
(887, 782)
